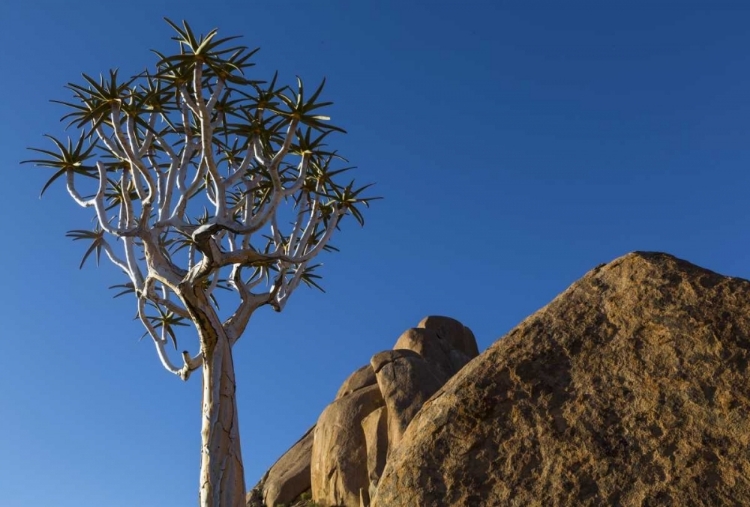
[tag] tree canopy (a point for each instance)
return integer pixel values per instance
(202, 178)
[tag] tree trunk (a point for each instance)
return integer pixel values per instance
(222, 478)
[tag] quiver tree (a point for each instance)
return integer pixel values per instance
(201, 178)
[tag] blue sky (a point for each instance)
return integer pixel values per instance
(516, 149)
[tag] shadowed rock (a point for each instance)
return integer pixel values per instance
(459, 336)
(406, 381)
(437, 351)
(288, 478)
(339, 454)
(353, 437)
(369, 414)
(375, 428)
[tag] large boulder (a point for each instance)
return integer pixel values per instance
(339, 453)
(437, 351)
(406, 380)
(288, 478)
(374, 406)
(347, 451)
(456, 334)
(363, 377)
(630, 388)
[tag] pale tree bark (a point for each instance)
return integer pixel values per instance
(222, 477)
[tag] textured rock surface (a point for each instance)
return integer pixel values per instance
(363, 377)
(437, 351)
(406, 380)
(375, 428)
(368, 416)
(459, 336)
(631, 388)
(339, 454)
(304, 501)
(288, 478)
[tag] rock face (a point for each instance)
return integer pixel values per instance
(632, 387)
(288, 478)
(438, 352)
(455, 334)
(406, 380)
(363, 377)
(341, 460)
(374, 406)
(339, 455)
(375, 428)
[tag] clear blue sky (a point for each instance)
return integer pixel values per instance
(516, 150)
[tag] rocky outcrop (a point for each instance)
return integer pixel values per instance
(406, 380)
(438, 352)
(632, 387)
(339, 454)
(375, 429)
(456, 335)
(363, 377)
(374, 406)
(342, 460)
(288, 478)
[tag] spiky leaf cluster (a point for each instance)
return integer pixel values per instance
(203, 177)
